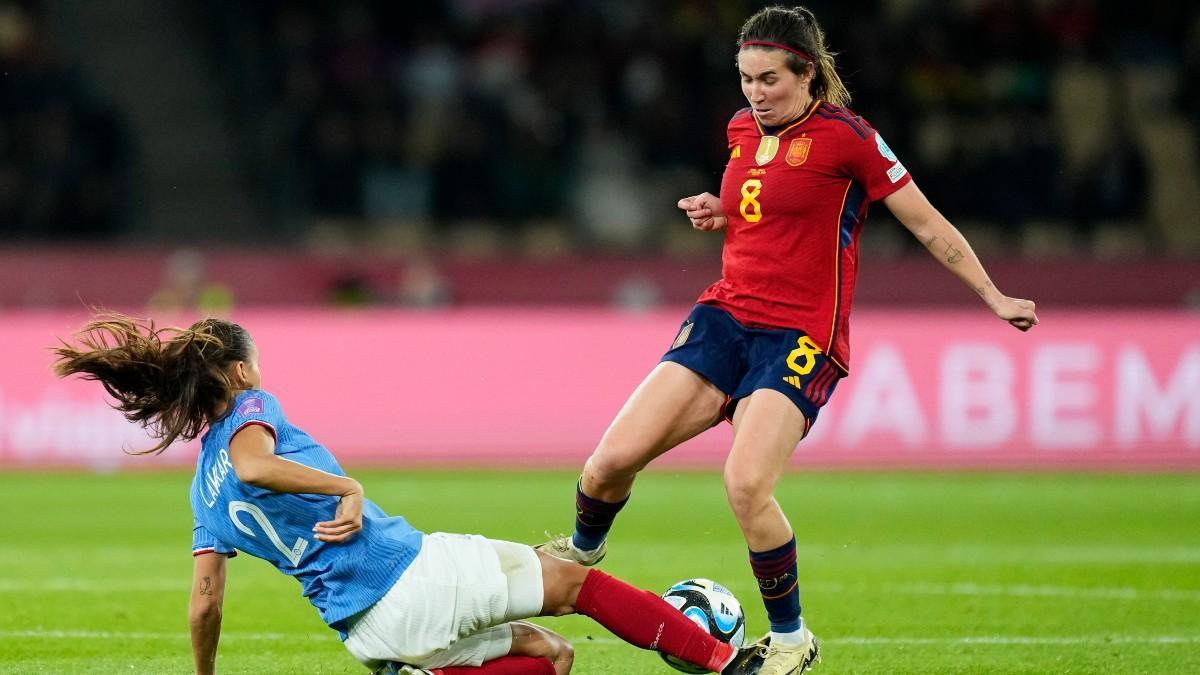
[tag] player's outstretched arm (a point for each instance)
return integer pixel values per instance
(948, 245)
(204, 610)
(705, 212)
(252, 451)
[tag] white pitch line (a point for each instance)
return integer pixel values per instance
(1015, 590)
(92, 585)
(974, 640)
(147, 635)
(915, 588)
(1023, 640)
(1023, 590)
(990, 554)
(846, 640)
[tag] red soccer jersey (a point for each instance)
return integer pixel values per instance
(796, 202)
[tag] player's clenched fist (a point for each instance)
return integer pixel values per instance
(704, 210)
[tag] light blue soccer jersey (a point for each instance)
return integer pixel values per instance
(340, 579)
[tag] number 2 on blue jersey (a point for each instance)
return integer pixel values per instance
(293, 554)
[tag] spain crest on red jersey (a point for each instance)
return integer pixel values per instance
(797, 152)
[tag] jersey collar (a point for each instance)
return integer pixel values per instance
(808, 112)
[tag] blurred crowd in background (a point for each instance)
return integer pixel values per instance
(590, 119)
(1040, 127)
(65, 154)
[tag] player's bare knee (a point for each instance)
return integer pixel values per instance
(554, 647)
(560, 653)
(611, 466)
(565, 658)
(748, 494)
(563, 650)
(542, 643)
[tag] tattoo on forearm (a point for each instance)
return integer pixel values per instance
(206, 586)
(982, 290)
(953, 255)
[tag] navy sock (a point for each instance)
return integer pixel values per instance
(593, 519)
(776, 574)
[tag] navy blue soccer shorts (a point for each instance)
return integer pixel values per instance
(740, 360)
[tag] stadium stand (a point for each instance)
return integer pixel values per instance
(1049, 126)
(387, 153)
(65, 155)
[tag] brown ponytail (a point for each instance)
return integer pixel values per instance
(169, 380)
(797, 29)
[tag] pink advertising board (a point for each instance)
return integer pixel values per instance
(535, 388)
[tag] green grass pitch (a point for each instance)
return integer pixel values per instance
(900, 573)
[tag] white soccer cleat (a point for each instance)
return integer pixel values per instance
(563, 548)
(789, 659)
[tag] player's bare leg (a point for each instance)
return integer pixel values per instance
(533, 640)
(670, 406)
(767, 427)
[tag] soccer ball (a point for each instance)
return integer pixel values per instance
(713, 608)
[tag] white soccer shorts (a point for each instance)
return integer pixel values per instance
(451, 607)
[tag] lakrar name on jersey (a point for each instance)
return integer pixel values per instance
(210, 485)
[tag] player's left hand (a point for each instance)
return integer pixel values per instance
(346, 521)
(1018, 312)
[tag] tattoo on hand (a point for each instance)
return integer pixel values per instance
(206, 586)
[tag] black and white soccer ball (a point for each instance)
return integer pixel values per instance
(713, 608)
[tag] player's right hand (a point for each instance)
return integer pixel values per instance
(705, 212)
(346, 521)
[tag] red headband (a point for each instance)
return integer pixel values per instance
(776, 45)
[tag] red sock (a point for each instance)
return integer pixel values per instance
(643, 619)
(505, 665)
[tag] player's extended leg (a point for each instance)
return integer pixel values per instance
(639, 617)
(767, 428)
(543, 585)
(513, 647)
(670, 406)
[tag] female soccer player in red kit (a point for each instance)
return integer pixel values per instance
(767, 343)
